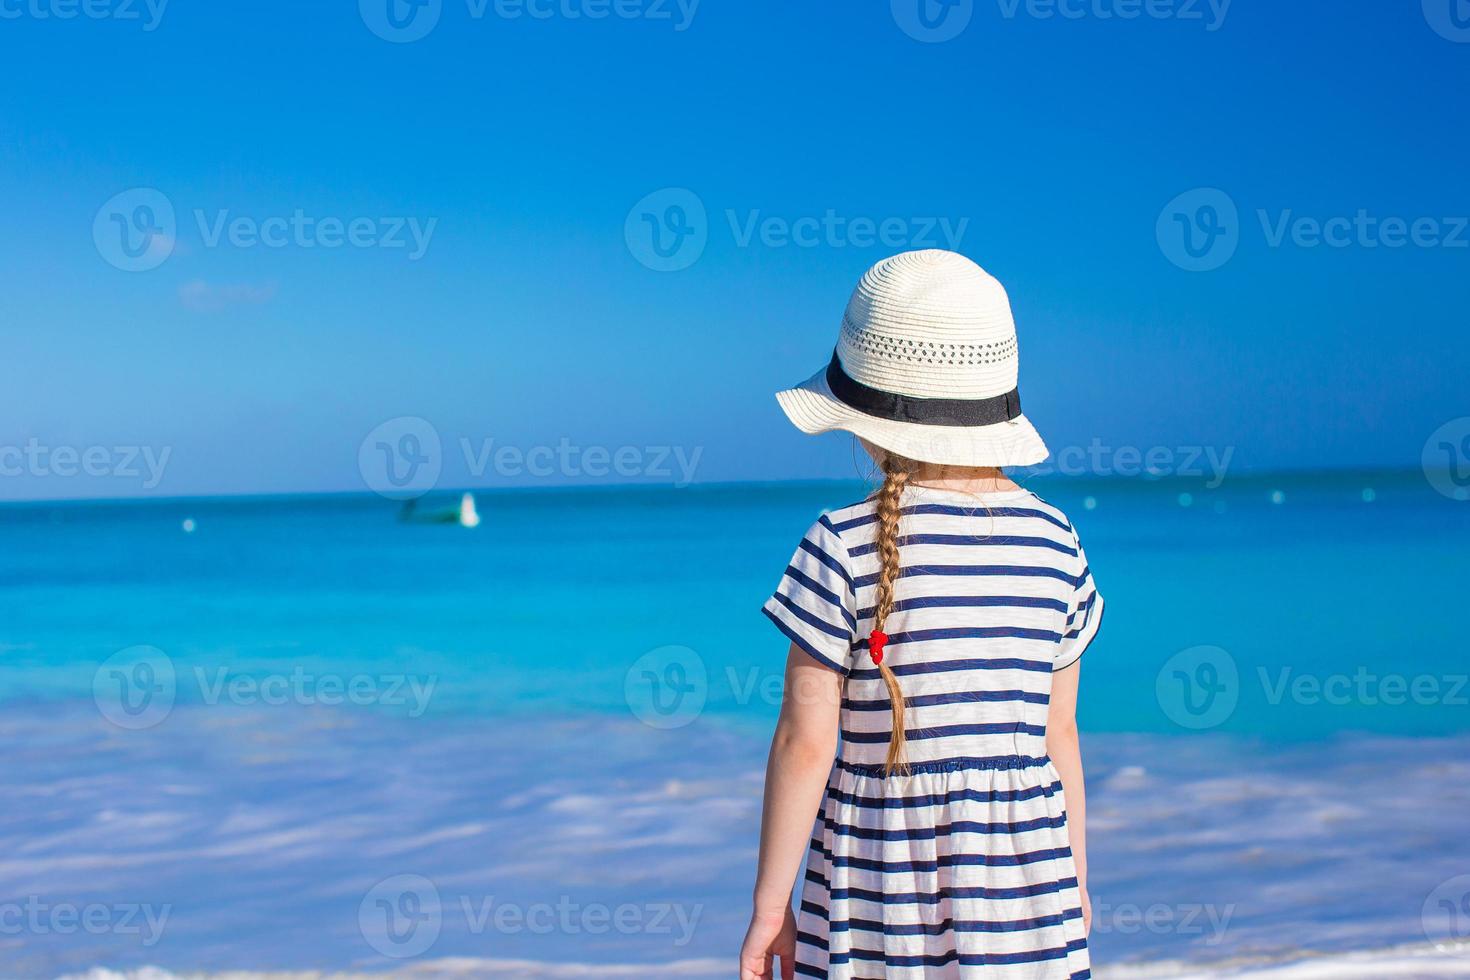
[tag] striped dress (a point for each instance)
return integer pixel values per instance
(961, 868)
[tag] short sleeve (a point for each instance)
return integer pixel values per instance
(1084, 616)
(814, 604)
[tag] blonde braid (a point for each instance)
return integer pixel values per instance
(896, 471)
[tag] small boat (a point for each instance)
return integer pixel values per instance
(464, 515)
(468, 516)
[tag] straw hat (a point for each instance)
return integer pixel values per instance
(925, 367)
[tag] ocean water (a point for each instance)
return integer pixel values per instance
(308, 736)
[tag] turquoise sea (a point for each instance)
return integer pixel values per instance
(303, 734)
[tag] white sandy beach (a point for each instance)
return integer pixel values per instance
(1401, 963)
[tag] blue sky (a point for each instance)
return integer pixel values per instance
(1046, 147)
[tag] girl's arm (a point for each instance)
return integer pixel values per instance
(801, 757)
(1066, 755)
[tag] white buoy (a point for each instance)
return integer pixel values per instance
(189, 525)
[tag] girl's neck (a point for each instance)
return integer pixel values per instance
(963, 480)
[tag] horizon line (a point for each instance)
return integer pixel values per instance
(1254, 474)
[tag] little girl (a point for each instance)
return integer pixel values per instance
(936, 627)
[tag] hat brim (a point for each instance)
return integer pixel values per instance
(813, 408)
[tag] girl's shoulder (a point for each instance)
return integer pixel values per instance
(1032, 502)
(851, 523)
(850, 515)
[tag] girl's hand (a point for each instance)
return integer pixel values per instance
(771, 934)
(1086, 910)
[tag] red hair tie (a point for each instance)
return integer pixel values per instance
(877, 640)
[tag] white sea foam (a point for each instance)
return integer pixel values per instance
(1204, 850)
(456, 968)
(1400, 963)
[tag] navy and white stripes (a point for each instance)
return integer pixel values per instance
(961, 867)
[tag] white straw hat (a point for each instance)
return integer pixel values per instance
(925, 367)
